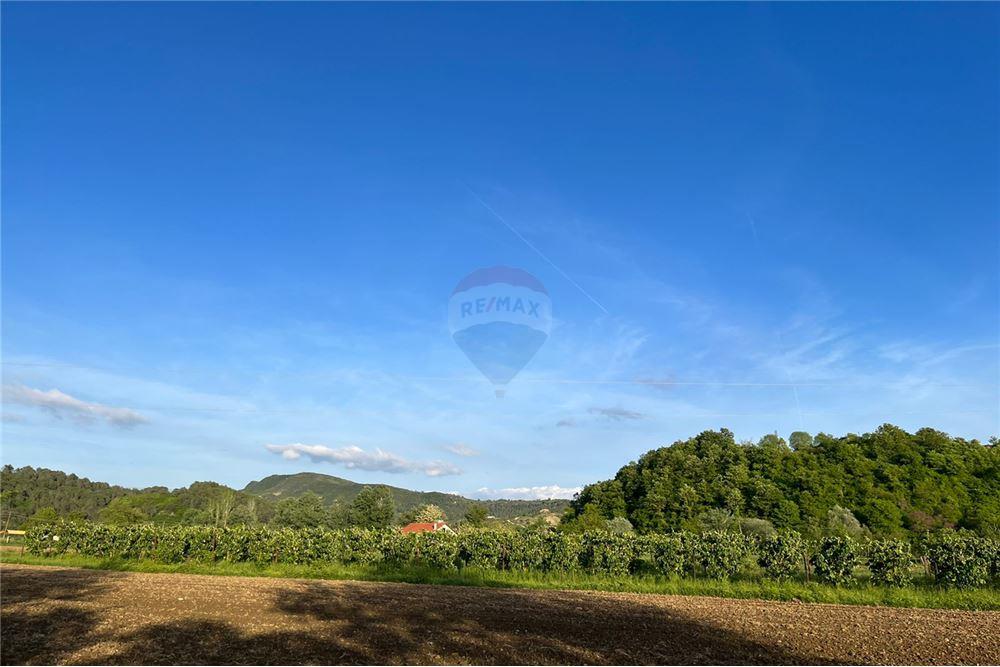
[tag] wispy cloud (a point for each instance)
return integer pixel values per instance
(529, 492)
(617, 414)
(355, 458)
(566, 423)
(61, 405)
(461, 449)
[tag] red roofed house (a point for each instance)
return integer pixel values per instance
(429, 527)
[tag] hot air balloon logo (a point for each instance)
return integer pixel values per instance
(500, 317)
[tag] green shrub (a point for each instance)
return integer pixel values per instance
(561, 552)
(438, 550)
(169, 545)
(780, 554)
(605, 553)
(889, 562)
(960, 559)
(526, 551)
(720, 554)
(955, 558)
(665, 553)
(480, 548)
(835, 559)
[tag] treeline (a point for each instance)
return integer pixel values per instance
(31, 497)
(889, 483)
(337, 491)
(26, 490)
(952, 558)
(37, 495)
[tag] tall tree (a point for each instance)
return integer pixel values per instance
(372, 508)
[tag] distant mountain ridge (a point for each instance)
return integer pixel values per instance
(337, 489)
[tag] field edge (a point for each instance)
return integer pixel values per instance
(921, 596)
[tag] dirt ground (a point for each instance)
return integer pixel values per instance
(63, 615)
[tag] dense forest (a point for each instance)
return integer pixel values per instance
(886, 483)
(26, 492)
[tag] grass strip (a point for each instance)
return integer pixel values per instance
(921, 595)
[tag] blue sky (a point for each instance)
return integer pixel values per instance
(231, 226)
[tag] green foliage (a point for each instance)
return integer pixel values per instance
(800, 440)
(26, 490)
(781, 554)
(835, 559)
(889, 562)
(719, 554)
(715, 519)
(608, 553)
(589, 519)
(438, 549)
(372, 508)
(666, 553)
(481, 548)
(888, 483)
(123, 512)
(756, 527)
(561, 552)
(306, 511)
(424, 514)
(841, 522)
(620, 526)
(43, 517)
(957, 559)
(526, 550)
(961, 559)
(339, 490)
(476, 515)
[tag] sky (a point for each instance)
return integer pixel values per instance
(231, 233)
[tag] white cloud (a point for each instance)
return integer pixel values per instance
(461, 449)
(529, 492)
(355, 458)
(62, 405)
(617, 414)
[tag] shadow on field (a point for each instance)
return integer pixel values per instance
(411, 624)
(43, 614)
(51, 617)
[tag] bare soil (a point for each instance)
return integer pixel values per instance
(63, 615)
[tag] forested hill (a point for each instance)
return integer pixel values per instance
(338, 490)
(27, 491)
(889, 482)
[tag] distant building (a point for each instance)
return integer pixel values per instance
(428, 527)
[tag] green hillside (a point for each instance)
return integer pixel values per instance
(336, 489)
(888, 483)
(27, 491)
